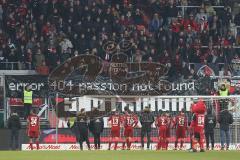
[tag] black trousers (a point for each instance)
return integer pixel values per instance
(211, 136)
(143, 133)
(83, 137)
(27, 109)
(14, 141)
(97, 141)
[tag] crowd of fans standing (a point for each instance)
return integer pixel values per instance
(41, 34)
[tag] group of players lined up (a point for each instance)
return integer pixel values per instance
(129, 121)
(163, 122)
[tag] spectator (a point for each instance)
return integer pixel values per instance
(1, 15)
(138, 18)
(237, 19)
(200, 15)
(43, 69)
(38, 58)
(225, 120)
(167, 29)
(14, 125)
(155, 23)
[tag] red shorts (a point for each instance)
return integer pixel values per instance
(115, 132)
(33, 134)
(199, 134)
(163, 132)
(168, 132)
(128, 132)
(181, 132)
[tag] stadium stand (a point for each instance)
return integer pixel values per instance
(42, 34)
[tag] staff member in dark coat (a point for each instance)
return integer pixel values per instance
(225, 119)
(96, 127)
(210, 124)
(146, 120)
(14, 125)
(81, 125)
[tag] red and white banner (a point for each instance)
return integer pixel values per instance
(135, 146)
(19, 101)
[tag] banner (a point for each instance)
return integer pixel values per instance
(134, 146)
(90, 75)
(15, 85)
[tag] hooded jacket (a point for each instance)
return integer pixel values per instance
(225, 119)
(14, 122)
(146, 120)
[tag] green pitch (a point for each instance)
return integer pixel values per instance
(118, 155)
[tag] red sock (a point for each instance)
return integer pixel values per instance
(194, 144)
(159, 145)
(37, 143)
(109, 145)
(129, 145)
(115, 147)
(201, 144)
(123, 145)
(31, 146)
(166, 144)
(181, 145)
(127, 141)
(176, 142)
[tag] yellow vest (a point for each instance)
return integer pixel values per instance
(71, 121)
(223, 93)
(27, 97)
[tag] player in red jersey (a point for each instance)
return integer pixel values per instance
(161, 124)
(197, 125)
(115, 123)
(33, 128)
(129, 121)
(181, 127)
(170, 124)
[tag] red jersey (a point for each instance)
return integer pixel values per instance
(33, 123)
(129, 120)
(198, 122)
(161, 121)
(181, 121)
(115, 121)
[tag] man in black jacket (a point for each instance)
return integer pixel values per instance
(96, 126)
(146, 120)
(210, 124)
(81, 127)
(14, 125)
(225, 119)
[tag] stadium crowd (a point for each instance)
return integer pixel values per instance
(41, 34)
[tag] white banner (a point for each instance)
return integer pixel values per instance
(134, 146)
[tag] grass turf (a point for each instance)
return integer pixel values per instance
(118, 155)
